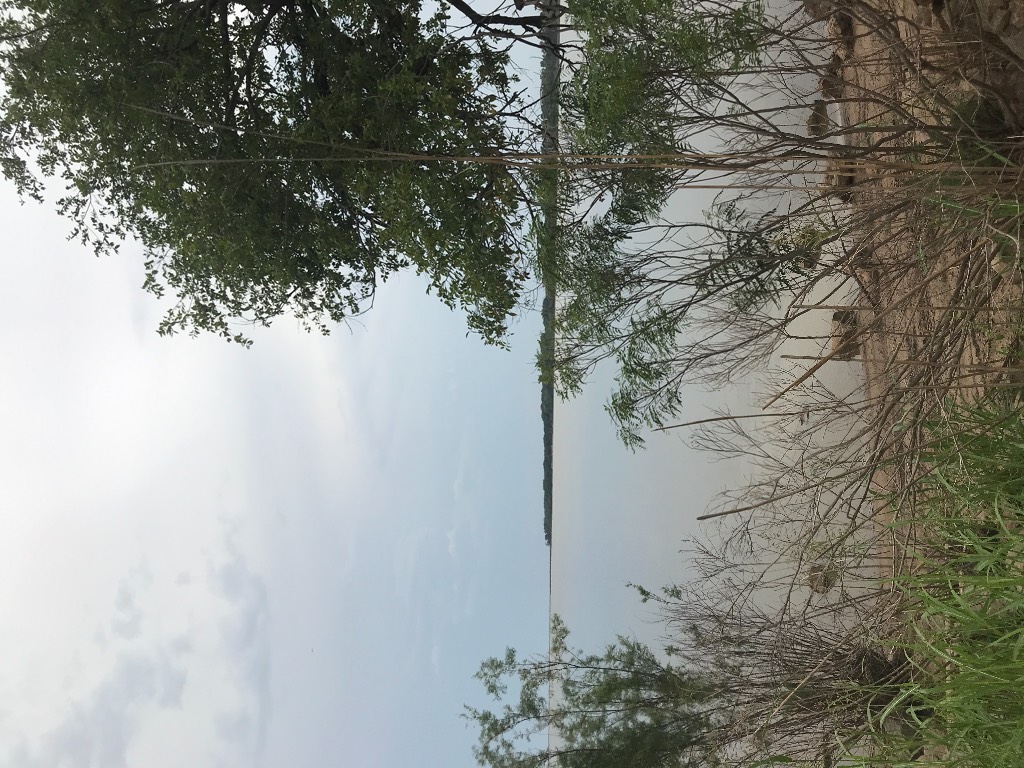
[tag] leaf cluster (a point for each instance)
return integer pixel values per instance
(271, 156)
(758, 257)
(628, 104)
(625, 706)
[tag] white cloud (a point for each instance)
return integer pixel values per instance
(127, 621)
(182, 679)
(246, 643)
(99, 728)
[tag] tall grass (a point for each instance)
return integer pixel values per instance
(965, 596)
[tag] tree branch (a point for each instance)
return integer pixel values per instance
(486, 20)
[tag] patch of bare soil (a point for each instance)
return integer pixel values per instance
(931, 98)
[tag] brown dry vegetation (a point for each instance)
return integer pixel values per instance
(923, 190)
(935, 244)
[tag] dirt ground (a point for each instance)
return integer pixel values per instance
(936, 276)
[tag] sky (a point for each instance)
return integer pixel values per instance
(280, 556)
(287, 555)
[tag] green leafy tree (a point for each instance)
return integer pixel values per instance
(614, 307)
(272, 156)
(758, 257)
(649, 74)
(640, 306)
(624, 707)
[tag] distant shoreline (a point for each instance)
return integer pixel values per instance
(547, 403)
(550, 75)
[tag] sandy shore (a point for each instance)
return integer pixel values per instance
(936, 306)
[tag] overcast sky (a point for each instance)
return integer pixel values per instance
(284, 556)
(296, 554)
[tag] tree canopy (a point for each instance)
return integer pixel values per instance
(646, 90)
(623, 707)
(282, 157)
(273, 156)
